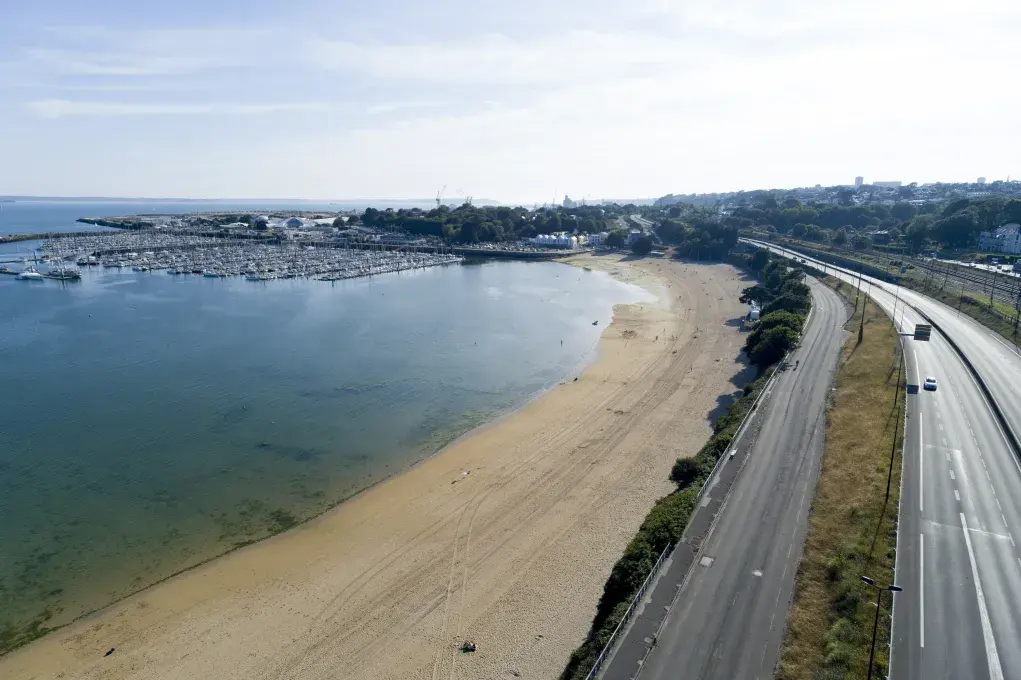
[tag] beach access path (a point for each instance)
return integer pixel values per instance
(505, 538)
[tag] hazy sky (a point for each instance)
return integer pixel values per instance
(511, 101)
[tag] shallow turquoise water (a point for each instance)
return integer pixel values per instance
(150, 422)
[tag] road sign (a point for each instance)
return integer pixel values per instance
(923, 331)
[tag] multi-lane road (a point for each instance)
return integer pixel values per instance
(960, 612)
(727, 617)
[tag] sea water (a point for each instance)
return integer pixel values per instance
(151, 422)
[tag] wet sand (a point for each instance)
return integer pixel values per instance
(505, 537)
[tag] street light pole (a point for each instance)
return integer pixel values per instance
(875, 624)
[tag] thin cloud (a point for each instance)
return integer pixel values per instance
(501, 60)
(392, 107)
(62, 108)
(77, 63)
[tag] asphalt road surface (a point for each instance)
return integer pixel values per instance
(957, 560)
(727, 618)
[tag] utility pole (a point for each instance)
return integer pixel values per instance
(875, 624)
(896, 423)
(861, 326)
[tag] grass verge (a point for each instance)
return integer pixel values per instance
(662, 526)
(851, 533)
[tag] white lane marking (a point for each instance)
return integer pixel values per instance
(938, 414)
(993, 658)
(921, 487)
(914, 357)
(952, 475)
(948, 456)
(945, 441)
(940, 426)
(957, 495)
(1010, 536)
(1002, 537)
(921, 586)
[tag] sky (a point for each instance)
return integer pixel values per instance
(521, 101)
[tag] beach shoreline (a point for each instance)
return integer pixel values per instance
(449, 547)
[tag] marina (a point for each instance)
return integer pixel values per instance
(212, 257)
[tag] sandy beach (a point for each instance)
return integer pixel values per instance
(504, 538)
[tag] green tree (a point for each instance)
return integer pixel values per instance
(685, 471)
(759, 260)
(616, 238)
(642, 246)
(840, 238)
(918, 230)
(958, 230)
(1012, 211)
(370, 217)
(755, 294)
(903, 211)
(772, 346)
(789, 303)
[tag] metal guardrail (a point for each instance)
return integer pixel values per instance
(627, 615)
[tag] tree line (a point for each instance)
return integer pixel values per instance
(785, 300)
(469, 223)
(911, 227)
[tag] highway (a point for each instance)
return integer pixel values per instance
(727, 618)
(957, 560)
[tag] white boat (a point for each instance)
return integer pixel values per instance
(29, 274)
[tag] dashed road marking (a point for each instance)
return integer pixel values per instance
(957, 495)
(992, 657)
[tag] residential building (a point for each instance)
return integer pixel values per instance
(1006, 239)
(858, 181)
(981, 180)
(888, 185)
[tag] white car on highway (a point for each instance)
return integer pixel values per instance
(930, 384)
